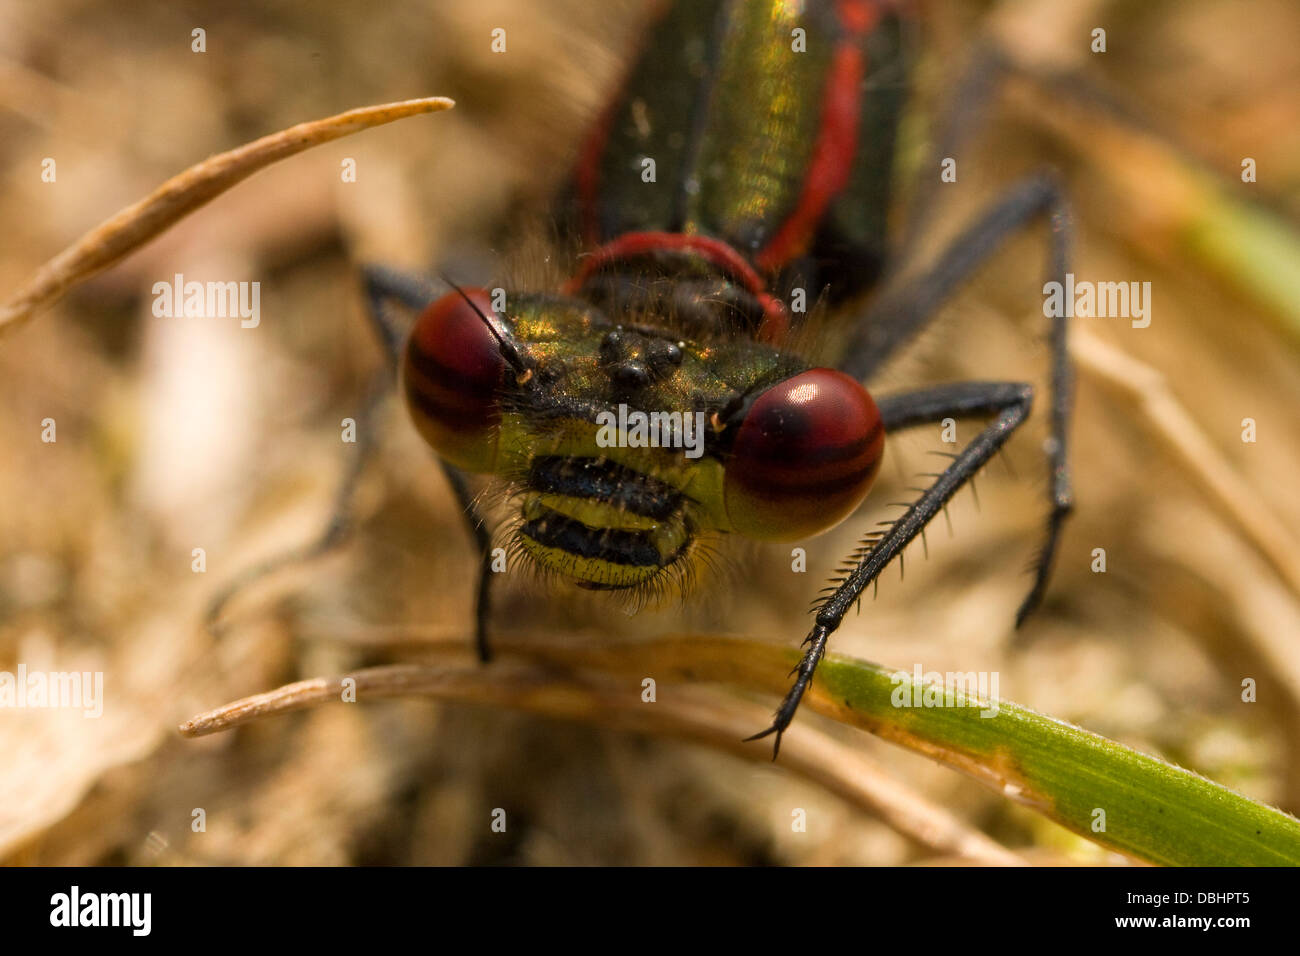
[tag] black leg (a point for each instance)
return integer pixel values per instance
(902, 310)
(1010, 402)
(906, 306)
(415, 292)
(898, 315)
(483, 540)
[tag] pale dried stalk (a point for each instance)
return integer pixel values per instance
(1227, 492)
(1171, 422)
(704, 717)
(137, 224)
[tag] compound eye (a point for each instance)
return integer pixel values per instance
(452, 374)
(806, 454)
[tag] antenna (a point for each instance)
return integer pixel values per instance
(509, 350)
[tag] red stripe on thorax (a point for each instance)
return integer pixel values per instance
(837, 138)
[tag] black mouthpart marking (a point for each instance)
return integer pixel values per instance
(631, 548)
(606, 481)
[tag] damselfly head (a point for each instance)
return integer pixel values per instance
(623, 444)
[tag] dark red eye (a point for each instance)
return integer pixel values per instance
(805, 456)
(452, 374)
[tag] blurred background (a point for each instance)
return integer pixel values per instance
(181, 434)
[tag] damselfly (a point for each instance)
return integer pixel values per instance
(154, 462)
(733, 196)
(739, 179)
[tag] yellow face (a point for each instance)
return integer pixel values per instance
(622, 444)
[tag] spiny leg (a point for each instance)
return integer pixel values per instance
(905, 307)
(1010, 402)
(900, 313)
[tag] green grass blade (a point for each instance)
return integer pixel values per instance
(1152, 810)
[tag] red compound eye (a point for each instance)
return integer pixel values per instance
(452, 374)
(805, 456)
